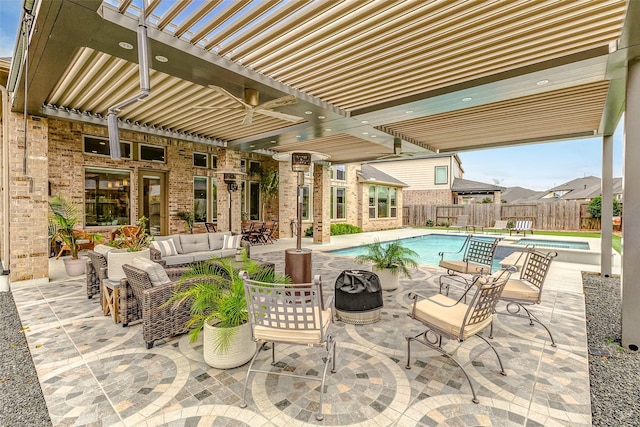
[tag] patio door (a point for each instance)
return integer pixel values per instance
(152, 200)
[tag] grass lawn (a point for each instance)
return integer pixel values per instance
(616, 242)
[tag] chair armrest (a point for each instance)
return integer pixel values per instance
(464, 245)
(155, 254)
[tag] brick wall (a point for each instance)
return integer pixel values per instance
(427, 197)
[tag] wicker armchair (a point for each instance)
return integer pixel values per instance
(158, 322)
(96, 271)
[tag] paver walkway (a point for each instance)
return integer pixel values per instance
(95, 372)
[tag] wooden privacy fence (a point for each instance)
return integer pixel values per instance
(562, 215)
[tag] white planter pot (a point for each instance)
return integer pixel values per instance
(75, 267)
(388, 281)
(241, 350)
(118, 257)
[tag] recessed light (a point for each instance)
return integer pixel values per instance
(467, 99)
(125, 45)
(308, 112)
(542, 82)
(365, 133)
(103, 143)
(161, 58)
(408, 112)
(364, 122)
(251, 146)
(328, 129)
(298, 136)
(272, 141)
(374, 136)
(321, 117)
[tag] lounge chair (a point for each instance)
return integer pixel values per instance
(500, 225)
(452, 319)
(461, 223)
(522, 226)
(474, 258)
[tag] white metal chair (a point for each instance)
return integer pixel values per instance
(527, 289)
(522, 226)
(452, 319)
(289, 314)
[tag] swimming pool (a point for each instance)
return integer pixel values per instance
(428, 248)
(560, 244)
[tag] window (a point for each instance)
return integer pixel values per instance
(243, 165)
(442, 175)
(254, 200)
(100, 147)
(383, 202)
(200, 198)
(200, 160)
(107, 197)
(339, 172)
(214, 199)
(214, 162)
(338, 203)
(254, 167)
(306, 203)
(152, 153)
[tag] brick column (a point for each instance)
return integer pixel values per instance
(29, 253)
(287, 198)
(229, 160)
(321, 204)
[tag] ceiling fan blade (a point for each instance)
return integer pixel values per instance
(229, 95)
(248, 118)
(278, 102)
(279, 115)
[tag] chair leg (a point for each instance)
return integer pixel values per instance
(243, 404)
(502, 372)
(530, 316)
(330, 358)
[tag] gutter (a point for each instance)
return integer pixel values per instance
(145, 86)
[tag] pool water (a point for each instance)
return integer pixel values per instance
(428, 248)
(560, 244)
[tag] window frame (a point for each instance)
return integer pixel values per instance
(206, 160)
(206, 197)
(151, 146)
(102, 170)
(391, 205)
(446, 175)
(106, 140)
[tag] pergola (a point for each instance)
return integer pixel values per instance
(368, 78)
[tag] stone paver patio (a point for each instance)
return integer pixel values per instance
(95, 372)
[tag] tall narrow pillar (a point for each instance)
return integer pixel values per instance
(607, 206)
(631, 222)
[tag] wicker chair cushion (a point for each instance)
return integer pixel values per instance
(464, 267)
(519, 290)
(166, 247)
(156, 272)
(231, 242)
(298, 336)
(194, 243)
(216, 240)
(102, 249)
(449, 319)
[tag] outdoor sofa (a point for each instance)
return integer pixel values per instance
(179, 250)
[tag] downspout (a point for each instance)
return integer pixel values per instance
(145, 86)
(26, 33)
(5, 191)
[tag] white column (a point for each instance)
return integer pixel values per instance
(607, 205)
(631, 212)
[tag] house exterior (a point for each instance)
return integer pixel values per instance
(429, 180)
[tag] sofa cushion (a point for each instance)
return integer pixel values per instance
(222, 253)
(166, 247)
(156, 272)
(216, 240)
(231, 242)
(194, 243)
(178, 259)
(174, 237)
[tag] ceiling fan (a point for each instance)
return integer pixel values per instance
(397, 151)
(251, 105)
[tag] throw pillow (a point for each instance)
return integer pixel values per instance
(156, 272)
(102, 249)
(231, 242)
(166, 247)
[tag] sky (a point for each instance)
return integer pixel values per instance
(535, 166)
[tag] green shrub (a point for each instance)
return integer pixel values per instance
(444, 224)
(430, 223)
(339, 229)
(309, 231)
(595, 207)
(511, 224)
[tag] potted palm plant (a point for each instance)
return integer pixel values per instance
(389, 260)
(219, 308)
(64, 216)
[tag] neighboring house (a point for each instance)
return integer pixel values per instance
(429, 180)
(582, 189)
(520, 194)
(466, 192)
